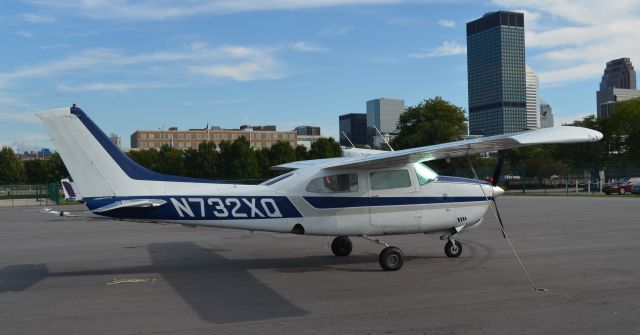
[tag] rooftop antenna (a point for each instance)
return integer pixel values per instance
(384, 139)
(347, 137)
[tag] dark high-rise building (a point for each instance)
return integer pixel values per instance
(496, 74)
(618, 83)
(354, 125)
(308, 130)
(619, 73)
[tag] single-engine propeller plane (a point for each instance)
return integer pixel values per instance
(365, 194)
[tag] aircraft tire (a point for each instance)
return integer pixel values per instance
(453, 251)
(341, 246)
(391, 259)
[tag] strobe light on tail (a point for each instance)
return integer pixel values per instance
(365, 195)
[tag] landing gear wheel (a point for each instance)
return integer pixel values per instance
(391, 259)
(341, 246)
(453, 249)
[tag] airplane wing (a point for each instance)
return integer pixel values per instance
(563, 134)
(308, 163)
(554, 135)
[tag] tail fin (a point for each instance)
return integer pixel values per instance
(97, 166)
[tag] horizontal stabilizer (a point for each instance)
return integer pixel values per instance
(137, 203)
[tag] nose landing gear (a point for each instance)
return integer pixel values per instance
(453, 248)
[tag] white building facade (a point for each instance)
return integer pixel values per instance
(533, 105)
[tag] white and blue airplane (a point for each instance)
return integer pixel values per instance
(365, 194)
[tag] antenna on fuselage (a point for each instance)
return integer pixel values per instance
(384, 139)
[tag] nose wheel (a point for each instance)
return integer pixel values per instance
(453, 248)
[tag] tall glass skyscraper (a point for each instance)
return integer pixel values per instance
(384, 114)
(354, 125)
(496, 74)
(618, 84)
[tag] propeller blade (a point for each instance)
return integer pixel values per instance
(495, 205)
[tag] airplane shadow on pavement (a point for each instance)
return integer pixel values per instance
(218, 289)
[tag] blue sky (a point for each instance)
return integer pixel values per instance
(147, 64)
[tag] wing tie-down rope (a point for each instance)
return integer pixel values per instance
(496, 213)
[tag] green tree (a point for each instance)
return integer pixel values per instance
(203, 162)
(264, 163)
(281, 152)
(170, 161)
(146, 158)
(56, 169)
(430, 122)
(325, 148)
(11, 169)
(238, 160)
(301, 153)
(625, 128)
(593, 155)
(36, 171)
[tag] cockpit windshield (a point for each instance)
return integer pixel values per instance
(425, 174)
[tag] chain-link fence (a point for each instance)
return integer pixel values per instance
(30, 195)
(568, 180)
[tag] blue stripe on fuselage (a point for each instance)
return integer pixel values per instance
(201, 208)
(346, 202)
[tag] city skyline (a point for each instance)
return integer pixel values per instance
(139, 66)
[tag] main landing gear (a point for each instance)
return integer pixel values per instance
(341, 246)
(390, 259)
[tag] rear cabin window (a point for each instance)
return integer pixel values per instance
(336, 183)
(383, 180)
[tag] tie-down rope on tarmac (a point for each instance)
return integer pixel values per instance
(494, 209)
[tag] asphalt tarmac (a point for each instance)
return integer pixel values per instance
(76, 275)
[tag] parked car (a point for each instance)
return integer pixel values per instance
(621, 186)
(635, 189)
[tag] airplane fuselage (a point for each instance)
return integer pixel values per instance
(292, 205)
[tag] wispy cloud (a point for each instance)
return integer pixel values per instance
(148, 10)
(108, 87)
(578, 37)
(234, 62)
(18, 117)
(447, 48)
(29, 142)
(335, 31)
(307, 47)
(447, 23)
(53, 46)
(37, 19)
(25, 33)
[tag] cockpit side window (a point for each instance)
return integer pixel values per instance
(425, 175)
(384, 180)
(347, 182)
